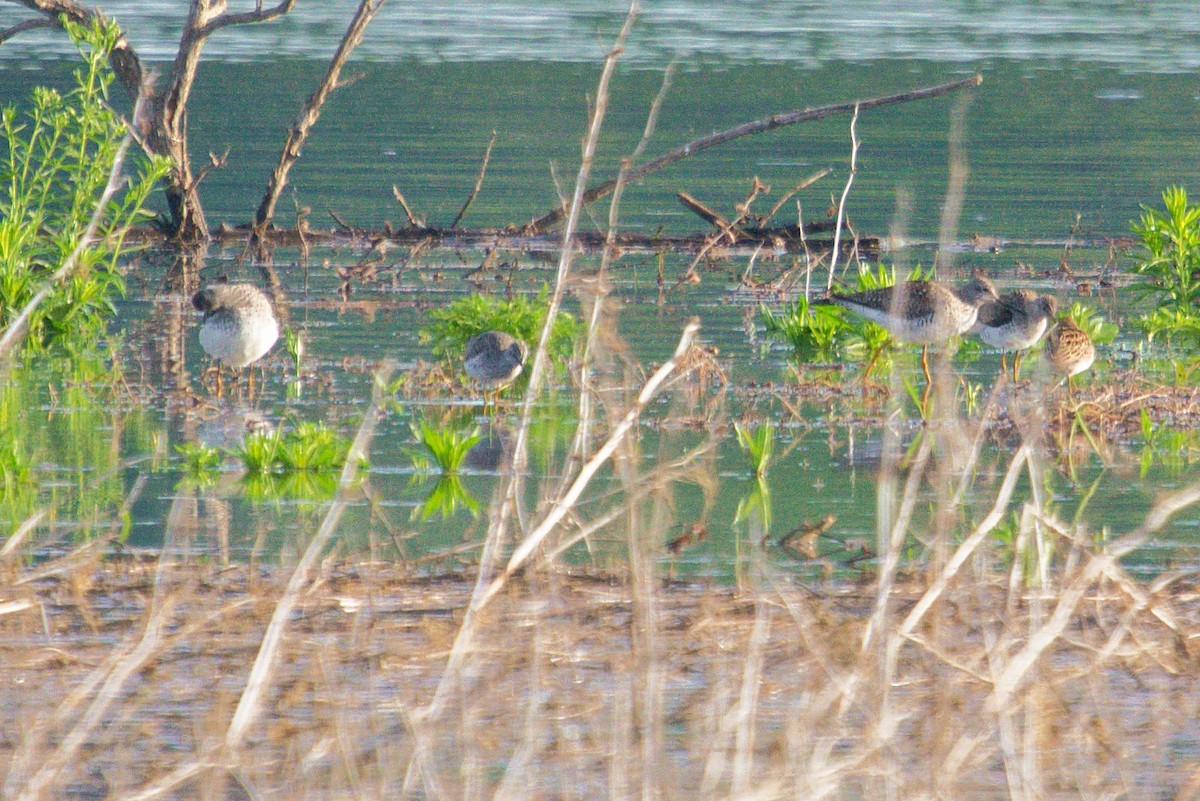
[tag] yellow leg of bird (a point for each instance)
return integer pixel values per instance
(220, 388)
(1016, 365)
(928, 380)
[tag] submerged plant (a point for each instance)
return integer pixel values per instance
(812, 331)
(55, 161)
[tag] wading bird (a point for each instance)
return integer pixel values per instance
(239, 326)
(494, 359)
(1069, 350)
(920, 312)
(1016, 321)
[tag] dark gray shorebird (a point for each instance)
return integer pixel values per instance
(494, 359)
(1016, 321)
(920, 312)
(1069, 350)
(239, 325)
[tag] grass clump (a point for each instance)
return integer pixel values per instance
(519, 316)
(310, 447)
(448, 447)
(55, 161)
(1170, 266)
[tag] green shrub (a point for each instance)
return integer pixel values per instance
(1170, 266)
(55, 161)
(454, 324)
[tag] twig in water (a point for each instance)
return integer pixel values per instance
(757, 126)
(487, 156)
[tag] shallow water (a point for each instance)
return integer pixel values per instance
(1083, 116)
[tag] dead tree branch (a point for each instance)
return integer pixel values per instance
(746, 129)
(21, 27)
(487, 156)
(310, 114)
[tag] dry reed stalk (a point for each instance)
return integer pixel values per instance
(259, 679)
(567, 501)
(21, 532)
(121, 672)
(956, 182)
(968, 546)
(507, 497)
(841, 208)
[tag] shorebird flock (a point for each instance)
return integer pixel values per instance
(929, 313)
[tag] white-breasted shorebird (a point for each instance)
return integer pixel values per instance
(495, 359)
(920, 312)
(1016, 321)
(239, 325)
(1069, 350)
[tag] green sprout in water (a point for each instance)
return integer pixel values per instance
(310, 447)
(757, 444)
(448, 446)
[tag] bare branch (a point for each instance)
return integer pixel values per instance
(487, 156)
(311, 112)
(757, 126)
(21, 27)
(246, 18)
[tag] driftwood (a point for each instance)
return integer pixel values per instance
(757, 126)
(309, 116)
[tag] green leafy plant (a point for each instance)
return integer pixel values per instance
(1093, 324)
(457, 322)
(448, 446)
(757, 444)
(310, 447)
(55, 161)
(1170, 266)
(812, 331)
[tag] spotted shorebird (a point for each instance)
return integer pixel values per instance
(239, 325)
(1069, 350)
(1016, 321)
(920, 312)
(494, 359)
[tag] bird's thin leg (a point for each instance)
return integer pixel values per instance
(928, 380)
(1004, 362)
(220, 387)
(1016, 366)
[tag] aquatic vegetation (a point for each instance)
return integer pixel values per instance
(199, 458)
(812, 331)
(1170, 447)
(55, 162)
(448, 445)
(309, 447)
(453, 325)
(1170, 265)
(757, 444)
(445, 499)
